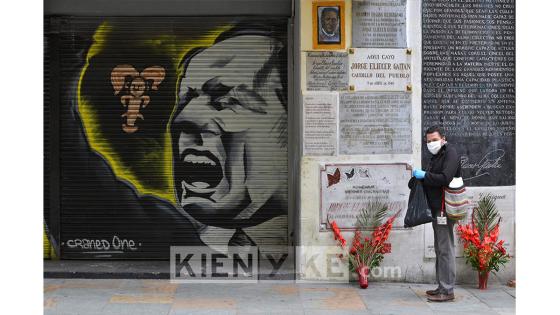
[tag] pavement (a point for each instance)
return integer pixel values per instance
(157, 296)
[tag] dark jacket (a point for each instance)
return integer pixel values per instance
(439, 173)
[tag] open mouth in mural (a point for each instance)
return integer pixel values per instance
(201, 172)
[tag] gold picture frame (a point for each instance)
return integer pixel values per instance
(329, 31)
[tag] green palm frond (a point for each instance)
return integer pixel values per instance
(486, 215)
(372, 215)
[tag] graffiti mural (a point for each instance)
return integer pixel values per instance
(135, 85)
(172, 132)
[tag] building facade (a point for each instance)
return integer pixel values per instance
(220, 123)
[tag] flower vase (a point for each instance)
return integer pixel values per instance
(483, 280)
(363, 272)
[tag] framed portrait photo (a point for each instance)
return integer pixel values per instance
(328, 25)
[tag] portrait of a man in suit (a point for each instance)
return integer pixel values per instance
(329, 25)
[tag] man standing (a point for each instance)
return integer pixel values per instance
(443, 166)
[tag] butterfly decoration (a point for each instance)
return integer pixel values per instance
(351, 174)
(334, 178)
(363, 172)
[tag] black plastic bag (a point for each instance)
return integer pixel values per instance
(418, 211)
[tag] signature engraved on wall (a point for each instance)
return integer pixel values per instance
(491, 160)
(135, 85)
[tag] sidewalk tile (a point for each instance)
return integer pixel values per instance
(264, 310)
(148, 287)
(337, 312)
(331, 298)
(394, 299)
(202, 312)
(510, 291)
(504, 311)
(494, 297)
(464, 302)
(136, 309)
(205, 303)
(77, 304)
(141, 299)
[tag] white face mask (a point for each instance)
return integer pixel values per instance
(434, 146)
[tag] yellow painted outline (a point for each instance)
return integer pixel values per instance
(91, 125)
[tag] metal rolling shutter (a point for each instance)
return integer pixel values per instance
(46, 154)
(130, 186)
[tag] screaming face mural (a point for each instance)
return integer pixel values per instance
(177, 136)
(226, 122)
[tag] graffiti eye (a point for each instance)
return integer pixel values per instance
(227, 102)
(186, 98)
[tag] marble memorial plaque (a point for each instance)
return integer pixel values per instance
(347, 188)
(320, 112)
(375, 123)
(381, 70)
(379, 23)
(327, 71)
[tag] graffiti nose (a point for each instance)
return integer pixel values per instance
(198, 112)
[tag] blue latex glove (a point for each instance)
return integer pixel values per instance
(419, 174)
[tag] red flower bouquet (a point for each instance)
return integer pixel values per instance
(481, 247)
(367, 252)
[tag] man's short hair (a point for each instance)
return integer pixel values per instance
(327, 10)
(433, 129)
(276, 31)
